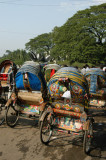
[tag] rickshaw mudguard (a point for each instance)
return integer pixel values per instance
(86, 125)
(42, 106)
(44, 113)
(12, 98)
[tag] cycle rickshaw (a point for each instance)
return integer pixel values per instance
(8, 70)
(68, 106)
(28, 94)
(97, 88)
(50, 70)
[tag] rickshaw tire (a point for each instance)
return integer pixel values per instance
(41, 126)
(1, 119)
(12, 125)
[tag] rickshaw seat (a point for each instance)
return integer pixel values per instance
(32, 97)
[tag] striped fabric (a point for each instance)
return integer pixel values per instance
(78, 83)
(35, 79)
(71, 73)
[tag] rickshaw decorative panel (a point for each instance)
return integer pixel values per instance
(68, 106)
(29, 109)
(68, 123)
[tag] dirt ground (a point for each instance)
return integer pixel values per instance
(23, 143)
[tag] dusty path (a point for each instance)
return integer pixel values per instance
(23, 143)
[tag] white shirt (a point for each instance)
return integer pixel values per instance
(104, 69)
(83, 70)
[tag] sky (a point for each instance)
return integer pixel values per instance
(22, 20)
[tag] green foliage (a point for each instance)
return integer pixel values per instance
(80, 65)
(17, 56)
(62, 63)
(82, 37)
(41, 44)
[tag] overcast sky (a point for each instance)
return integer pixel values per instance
(22, 20)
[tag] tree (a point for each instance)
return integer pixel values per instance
(82, 38)
(41, 44)
(18, 56)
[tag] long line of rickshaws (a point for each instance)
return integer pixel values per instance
(61, 97)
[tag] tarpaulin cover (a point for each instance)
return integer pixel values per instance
(96, 79)
(8, 69)
(50, 69)
(9, 65)
(36, 79)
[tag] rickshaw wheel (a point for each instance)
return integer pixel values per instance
(47, 107)
(2, 114)
(46, 128)
(12, 116)
(88, 135)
